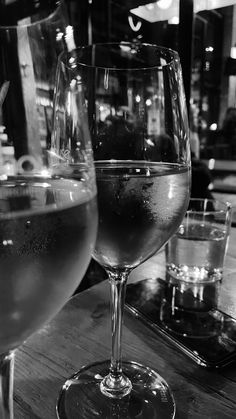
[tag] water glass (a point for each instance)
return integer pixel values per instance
(196, 252)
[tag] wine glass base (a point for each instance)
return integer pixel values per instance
(150, 397)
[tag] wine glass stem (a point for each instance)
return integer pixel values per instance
(116, 384)
(6, 385)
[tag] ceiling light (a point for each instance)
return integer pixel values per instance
(174, 20)
(164, 4)
(233, 52)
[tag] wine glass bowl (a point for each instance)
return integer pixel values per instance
(139, 129)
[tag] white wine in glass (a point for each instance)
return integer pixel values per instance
(139, 128)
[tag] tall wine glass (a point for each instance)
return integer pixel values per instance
(48, 224)
(138, 123)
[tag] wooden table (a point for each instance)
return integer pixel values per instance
(80, 334)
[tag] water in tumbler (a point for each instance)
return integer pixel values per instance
(197, 253)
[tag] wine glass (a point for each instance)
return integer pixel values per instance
(139, 127)
(48, 225)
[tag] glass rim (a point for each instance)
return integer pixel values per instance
(65, 55)
(58, 5)
(225, 206)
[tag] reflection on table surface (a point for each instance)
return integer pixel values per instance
(187, 315)
(80, 334)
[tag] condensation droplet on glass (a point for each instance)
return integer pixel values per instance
(16, 315)
(106, 78)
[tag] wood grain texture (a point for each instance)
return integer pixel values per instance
(80, 334)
